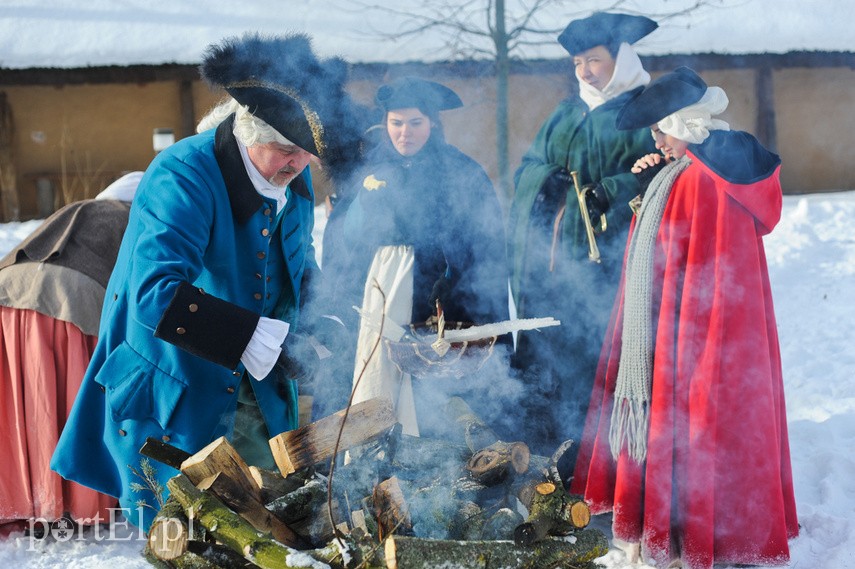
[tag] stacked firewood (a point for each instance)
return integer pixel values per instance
(352, 491)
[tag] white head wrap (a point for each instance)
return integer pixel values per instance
(629, 73)
(693, 124)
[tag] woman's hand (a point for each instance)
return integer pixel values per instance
(646, 168)
(646, 161)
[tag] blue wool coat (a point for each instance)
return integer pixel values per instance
(196, 268)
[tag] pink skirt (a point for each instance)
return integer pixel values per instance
(42, 362)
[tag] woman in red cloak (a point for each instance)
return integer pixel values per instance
(686, 436)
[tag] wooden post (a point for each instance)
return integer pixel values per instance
(9, 206)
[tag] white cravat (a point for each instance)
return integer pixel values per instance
(260, 183)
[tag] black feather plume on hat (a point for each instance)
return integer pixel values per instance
(283, 82)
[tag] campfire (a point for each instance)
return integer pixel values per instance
(353, 491)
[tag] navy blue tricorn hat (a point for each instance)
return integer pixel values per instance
(663, 96)
(414, 92)
(282, 82)
(604, 28)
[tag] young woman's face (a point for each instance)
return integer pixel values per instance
(278, 163)
(672, 148)
(409, 130)
(595, 66)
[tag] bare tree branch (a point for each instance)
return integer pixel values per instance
(488, 29)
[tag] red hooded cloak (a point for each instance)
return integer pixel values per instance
(716, 485)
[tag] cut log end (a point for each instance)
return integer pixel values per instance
(167, 539)
(525, 534)
(578, 514)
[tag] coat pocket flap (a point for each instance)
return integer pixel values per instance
(136, 389)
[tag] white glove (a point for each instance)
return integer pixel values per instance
(264, 347)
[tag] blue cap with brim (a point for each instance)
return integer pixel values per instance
(663, 96)
(414, 92)
(604, 28)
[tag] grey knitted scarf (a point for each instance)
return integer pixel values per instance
(630, 416)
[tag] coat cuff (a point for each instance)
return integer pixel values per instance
(207, 326)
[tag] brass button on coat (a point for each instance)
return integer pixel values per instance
(230, 389)
(165, 438)
(268, 211)
(257, 296)
(260, 255)
(193, 307)
(180, 330)
(265, 232)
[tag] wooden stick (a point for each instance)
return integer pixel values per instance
(163, 452)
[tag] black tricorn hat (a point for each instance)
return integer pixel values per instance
(282, 82)
(604, 28)
(663, 96)
(414, 92)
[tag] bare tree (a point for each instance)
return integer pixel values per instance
(472, 29)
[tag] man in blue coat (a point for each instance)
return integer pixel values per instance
(206, 294)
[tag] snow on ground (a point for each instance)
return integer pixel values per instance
(811, 257)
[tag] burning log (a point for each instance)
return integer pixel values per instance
(304, 510)
(492, 460)
(552, 511)
(429, 502)
(501, 525)
(493, 464)
(272, 485)
(316, 442)
(421, 455)
(391, 510)
(414, 553)
(472, 429)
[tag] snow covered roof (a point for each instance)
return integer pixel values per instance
(77, 33)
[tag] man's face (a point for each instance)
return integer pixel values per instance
(279, 163)
(595, 66)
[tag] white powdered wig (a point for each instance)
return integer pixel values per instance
(693, 124)
(249, 129)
